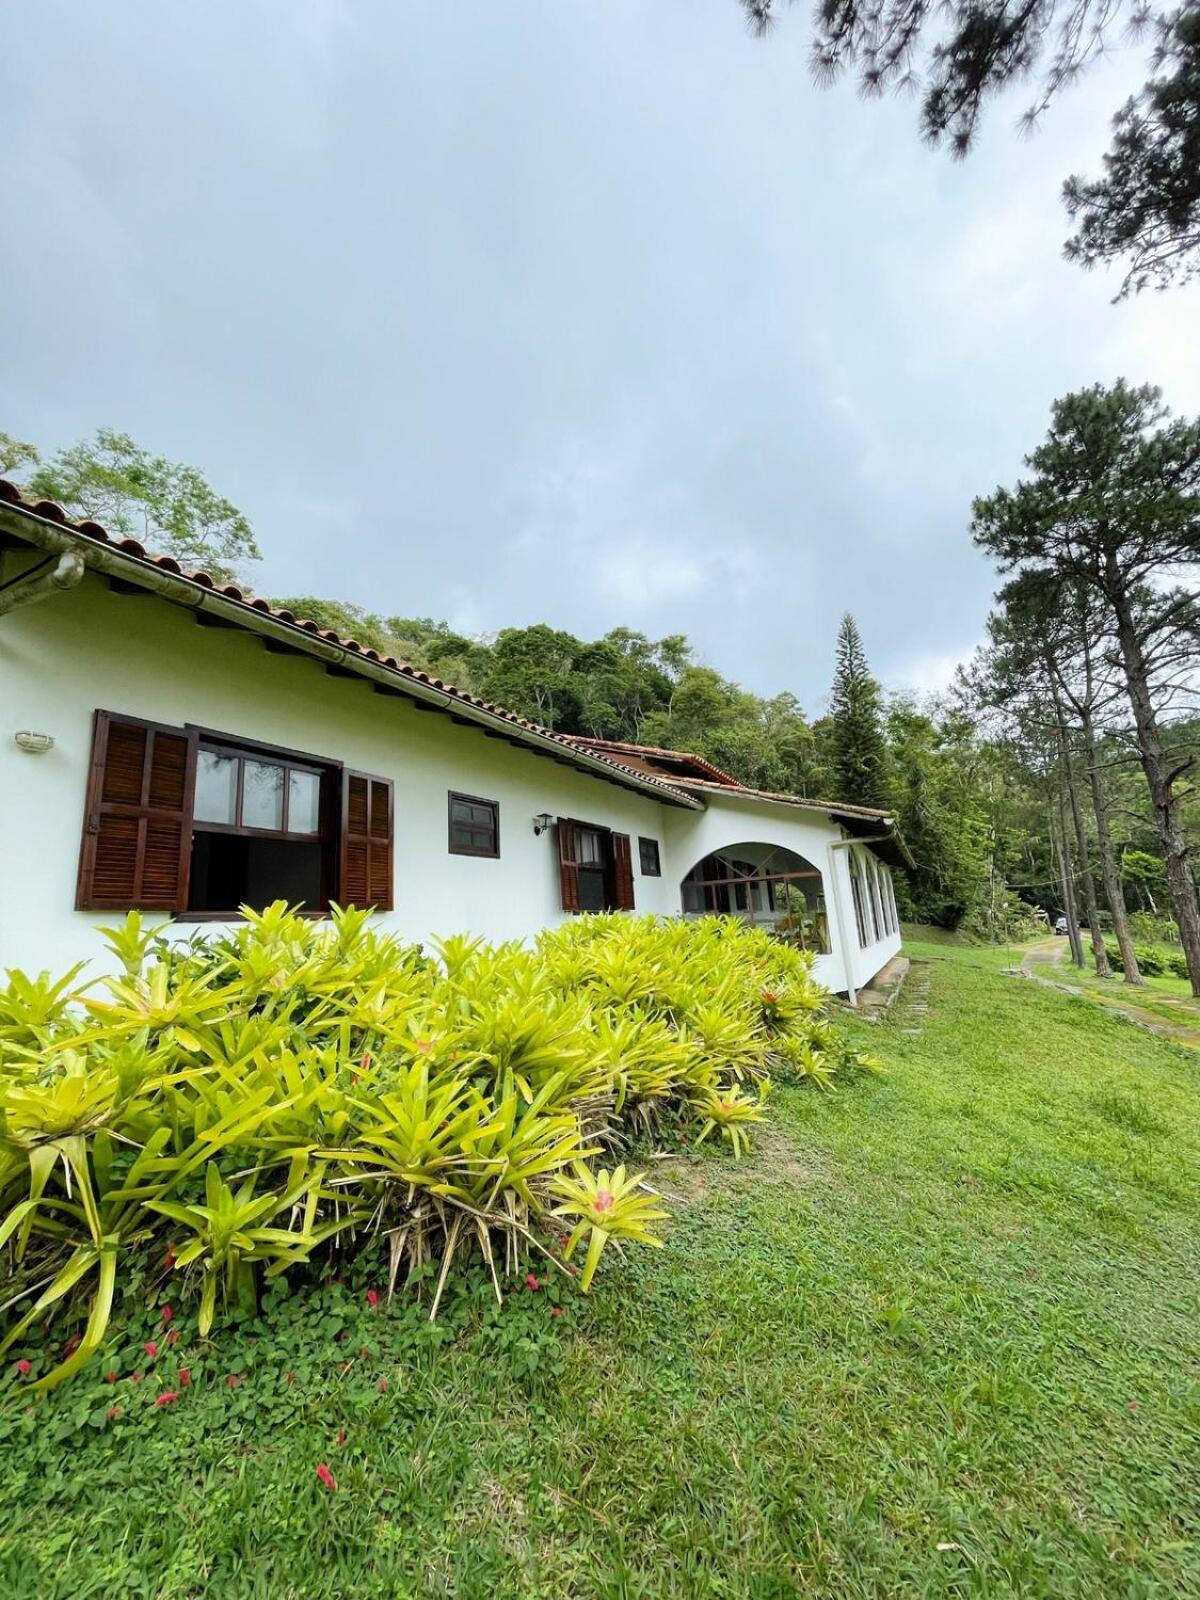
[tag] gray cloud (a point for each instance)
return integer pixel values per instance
(583, 313)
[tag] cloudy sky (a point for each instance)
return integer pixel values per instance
(584, 311)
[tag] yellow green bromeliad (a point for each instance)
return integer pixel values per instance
(245, 1105)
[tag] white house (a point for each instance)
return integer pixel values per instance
(173, 745)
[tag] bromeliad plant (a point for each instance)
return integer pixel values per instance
(291, 1093)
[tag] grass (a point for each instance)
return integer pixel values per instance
(1157, 999)
(935, 1337)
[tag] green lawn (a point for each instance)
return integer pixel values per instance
(937, 1336)
(1163, 999)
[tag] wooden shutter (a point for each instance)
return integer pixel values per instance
(137, 830)
(365, 878)
(568, 869)
(622, 872)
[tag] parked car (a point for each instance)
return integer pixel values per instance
(1061, 925)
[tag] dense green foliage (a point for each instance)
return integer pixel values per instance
(937, 1339)
(113, 481)
(297, 1094)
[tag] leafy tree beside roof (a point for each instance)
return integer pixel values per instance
(170, 508)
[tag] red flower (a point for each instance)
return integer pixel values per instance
(173, 1336)
(564, 1240)
(1133, 1405)
(71, 1345)
(166, 1397)
(185, 1377)
(770, 998)
(372, 1297)
(382, 1385)
(326, 1477)
(169, 1258)
(24, 1368)
(167, 1313)
(556, 1311)
(341, 1436)
(531, 1282)
(572, 1270)
(231, 1380)
(424, 1046)
(113, 1413)
(604, 1200)
(110, 1377)
(135, 1377)
(150, 1348)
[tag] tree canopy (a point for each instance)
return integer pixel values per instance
(169, 507)
(1145, 210)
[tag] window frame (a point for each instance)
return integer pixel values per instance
(330, 838)
(656, 870)
(324, 772)
(493, 806)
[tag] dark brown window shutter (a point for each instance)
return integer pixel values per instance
(138, 824)
(367, 829)
(567, 869)
(623, 872)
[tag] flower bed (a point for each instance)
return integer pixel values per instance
(269, 1101)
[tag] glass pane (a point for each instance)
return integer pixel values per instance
(588, 847)
(216, 787)
(262, 794)
(463, 839)
(304, 802)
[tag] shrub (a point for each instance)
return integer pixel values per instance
(279, 1097)
(1154, 961)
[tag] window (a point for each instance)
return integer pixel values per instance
(199, 824)
(856, 895)
(474, 826)
(595, 868)
(648, 852)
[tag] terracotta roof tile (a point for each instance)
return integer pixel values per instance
(50, 511)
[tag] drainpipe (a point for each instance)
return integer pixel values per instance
(40, 585)
(844, 844)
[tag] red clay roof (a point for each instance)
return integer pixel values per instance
(606, 751)
(50, 511)
(647, 752)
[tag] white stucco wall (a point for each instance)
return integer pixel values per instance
(728, 821)
(62, 659)
(65, 657)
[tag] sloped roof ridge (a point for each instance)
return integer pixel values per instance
(50, 511)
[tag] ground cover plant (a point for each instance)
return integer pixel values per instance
(936, 1338)
(291, 1096)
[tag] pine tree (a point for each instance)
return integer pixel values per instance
(857, 747)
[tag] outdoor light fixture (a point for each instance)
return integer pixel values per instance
(541, 822)
(36, 743)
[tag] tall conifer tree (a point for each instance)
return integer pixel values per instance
(857, 745)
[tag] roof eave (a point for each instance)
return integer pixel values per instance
(25, 523)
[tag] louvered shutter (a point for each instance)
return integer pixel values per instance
(366, 856)
(568, 869)
(137, 831)
(622, 872)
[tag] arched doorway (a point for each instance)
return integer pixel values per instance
(767, 885)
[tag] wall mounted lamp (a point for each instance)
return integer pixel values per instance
(35, 743)
(541, 822)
